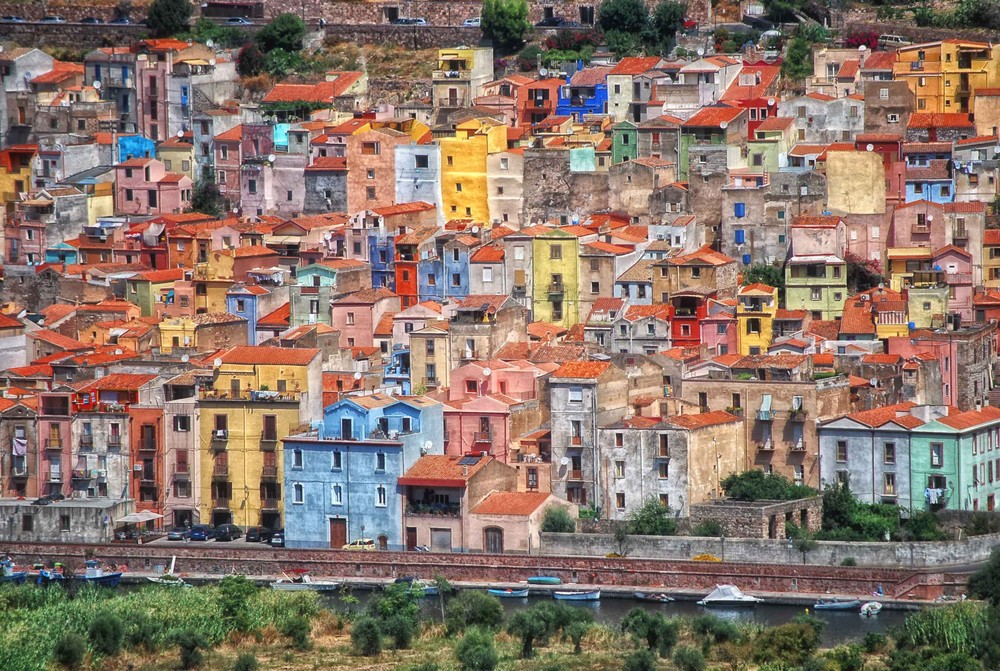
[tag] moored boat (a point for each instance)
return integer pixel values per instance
(8, 572)
(96, 575)
(729, 596)
(544, 580)
(304, 583)
(593, 595)
(871, 609)
(836, 604)
(652, 596)
(41, 575)
(509, 593)
(169, 579)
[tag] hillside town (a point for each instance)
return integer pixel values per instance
(419, 324)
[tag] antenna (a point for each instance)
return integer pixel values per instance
(217, 363)
(97, 84)
(543, 72)
(270, 158)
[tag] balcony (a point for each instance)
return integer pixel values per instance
(797, 447)
(19, 472)
(482, 437)
(114, 442)
(765, 415)
(735, 410)
(269, 504)
(797, 415)
(220, 503)
(451, 102)
(452, 75)
(55, 476)
(960, 235)
(220, 472)
(86, 441)
(518, 291)
(53, 443)
(147, 447)
(269, 473)
(436, 509)
(220, 435)
(556, 289)
(575, 475)
(251, 395)
(766, 446)
(180, 472)
(431, 382)
(147, 477)
(268, 443)
(917, 65)
(920, 228)
(106, 408)
(470, 354)
(81, 474)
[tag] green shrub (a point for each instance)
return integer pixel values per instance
(70, 651)
(235, 593)
(297, 628)
(710, 528)
(530, 626)
(713, 630)
(246, 662)
(106, 634)
(143, 632)
(285, 31)
(847, 657)
(400, 630)
(576, 631)
(190, 643)
(875, 642)
(475, 652)
(755, 485)
(687, 658)
(366, 637)
(791, 643)
(640, 660)
(652, 518)
(396, 599)
(556, 519)
(473, 609)
(423, 666)
(849, 561)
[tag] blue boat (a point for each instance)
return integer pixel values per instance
(96, 575)
(509, 593)
(43, 576)
(834, 604)
(8, 574)
(594, 595)
(544, 580)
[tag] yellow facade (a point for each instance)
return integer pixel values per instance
(991, 262)
(555, 268)
(464, 189)
(945, 75)
(756, 307)
(101, 203)
(15, 174)
(179, 330)
(855, 182)
(179, 158)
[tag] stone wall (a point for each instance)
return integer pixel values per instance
(759, 519)
(75, 36)
(205, 559)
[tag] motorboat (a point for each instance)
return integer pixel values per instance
(593, 595)
(303, 582)
(836, 604)
(42, 575)
(8, 572)
(544, 580)
(871, 609)
(729, 596)
(95, 574)
(658, 597)
(426, 587)
(169, 579)
(509, 593)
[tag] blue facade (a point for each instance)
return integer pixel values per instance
(349, 470)
(242, 303)
(62, 253)
(135, 146)
(636, 293)
(381, 253)
(444, 274)
(397, 373)
(935, 191)
(576, 101)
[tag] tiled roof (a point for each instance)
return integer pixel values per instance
(253, 250)
(634, 65)
(711, 117)
(882, 359)
(520, 504)
(585, 370)
(488, 254)
(41, 370)
(789, 315)
(635, 312)
(119, 382)
(980, 139)
(971, 207)
(8, 322)
(442, 470)
(158, 276)
(775, 123)
(823, 359)
(741, 92)
(404, 208)
(269, 356)
(991, 236)
(60, 71)
(366, 296)
(940, 120)
(877, 137)
(328, 163)
(939, 169)
(927, 147)
(321, 92)
(212, 318)
(592, 76)
(545, 330)
(781, 361)
(701, 420)
(384, 327)
(880, 60)
(881, 416)
(703, 256)
(493, 302)
(971, 418)
(816, 221)
(234, 134)
(607, 248)
(756, 288)
(58, 340)
(857, 318)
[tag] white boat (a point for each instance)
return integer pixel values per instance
(303, 582)
(169, 579)
(729, 596)
(871, 609)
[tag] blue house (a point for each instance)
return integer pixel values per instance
(61, 253)
(445, 273)
(397, 373)
(341, 478)
(244, 301)
(135, 146)
(586, 92)
(929, 172)
(381, 254)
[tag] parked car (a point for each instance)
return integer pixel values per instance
(278, 539)
(472, 23)
(91, 19)
(366, 544)
(178, 534)
(556, 22)
(202, 532)
(416, 21)
(228, 532)
(238, 21)
(253, 534)
(121, 21)
(267, 534)
(52, 18)
(12, 19)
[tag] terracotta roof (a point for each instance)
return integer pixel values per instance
(366, 296)
(856, 318)
(816, 221)
(635, 65)
(384, 327)
(8, 322)
(253, 250)
(940, 120)
(635, 312)
(493, 302)
(971, 418)
(607, 248)
(58, 340)
(879, 60)
(823, 359)
(926, 147)
(269, 356)
(775, 123)
(979, 139)
(711, 117)
(756, 287)
(119, 382)
(321, 92)
(587, 370)
(881, 359)
(589, 77)
(783, 361)
(701, 420)
(545, 330)
(703, 256)
(991, 236)
(41, 370)
(160, 276)
(881, 416)
(641, 271)
(211, 318)
(520, 504)
(439, 470)
(404, 208)
(789, 315)
(488, 254)
(971, 207)
(939, 169)
(60, 71)
(742, 92)
(328, 163)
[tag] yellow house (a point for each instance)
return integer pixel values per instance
(756, 307)
(100, 202)
(15, 173)
(177, 329)
(555, 275)
(177, 154)
(257, 397)
(464, 188)
(945, 75)
(991, 258)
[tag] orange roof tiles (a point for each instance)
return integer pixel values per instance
(703, 256)
(881, 359)
(757, 287)
(439, 470)
(160, 276)
(366, 296)
(881, 416)
(991, 236)
(279, 317)
(328, 163)
(321, 92)
(488, 254)
(253, 250)
(711, 117)
(659, 310)
(119, 382)
(701, 420)
(971, 418)
(816, 221)
(823, 359)
(384, 327)
(403, 208)
(519, 504)
(58, 340)
(634, 65)
(940, 120)
(269, 356)
(545, 330)
(585, 370)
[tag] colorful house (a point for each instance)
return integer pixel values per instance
(756, 307)
(555, 268)
(464, 188)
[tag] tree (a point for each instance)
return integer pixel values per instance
(659, 633)
(640, 660)
(798, 60)
(627, 16)
(246, 662)
(251, 61)
(623, 542)
(862, 274)
(106, 634)
(652, 518)
(168, 17)
(475, 652)
(764, 273)
(756, 485)
(791, 644)
(556, 519)
(668, 17)
(985, 583)
(472, 609)
(284, 32)
(529, 626)
(506, 23)
(366, 637)
(576, 631)
(190, 642)
(687, 658)
(297, 629)
(207, 198)
(70, 651)
(400, 630)
(235, 592)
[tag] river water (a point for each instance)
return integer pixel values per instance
(841, 627)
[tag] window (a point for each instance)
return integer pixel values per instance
(620, 469)
(27, 522)
(371, 174)
(487, 274)
(450, 160)
(532, 478)
(456, 279)
(555, 251)
(889, 453)
(182, 422)
(297, 458)
(842, 451)
(64, 522)
(270, 432)
(129, 195)
(337, 495)
(883, 94)
(299, 494)
(519, 253)
(937, 455)
(620, 500)
(619, 440)
(504, 163)
(816, 294)
(431, 280)
(350, 319)
(663, 470)
(381, 496)
(380, 462)
(576, 394)
(371, 148)
(595, 287)
(370, 192)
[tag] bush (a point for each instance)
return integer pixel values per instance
(576, 631)
(711, 630)
(529, 626)
(707, 528)
(143, 632)
(627, 16)
(106, 634)
(400, 631)
(640, 660)
(475, 652)
(473, 609)
(191, 643)
(246, 662)
(284, 32)
(235, 592)
(366, 637)
(791, 643)
(506, 23)
(70, 651)
(556, 519)
(396, 599)
(875, 642)
(756, 485)
(527, 59)
(652, 518)
(297, 629)
(168, 17)
(654, 629)
(250, 61)
(849, 561)
(687, 658)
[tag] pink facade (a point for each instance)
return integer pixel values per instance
(227, 165)
(355, 316)
(918, 224)
(143, 186)
(371, 179)
(55, 445)
(719, 330)
(152, 75)
(956, 264)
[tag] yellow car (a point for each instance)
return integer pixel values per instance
(366, 544)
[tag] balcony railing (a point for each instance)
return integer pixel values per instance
(220, 435)
(147, 476)
(482, 437)
(81, 474)
(180, 472)
(86, 441)
(269, 504)
(470, 354)
(451, 102)
(556, 288)
(576, 440)
(797, 447)
(797, 415)
(765, 415)
(269, 472)
(960, 234)
(431, 382)
(452, 75)
(252, 395)
(268, 443)
(220, 503)
(575, 475)
(55, 476)
(147, 447)
(19, 472)
(53, 443)
(440, 509)
(920, 228)
(766, 446)
(114, 441)
(220, 471)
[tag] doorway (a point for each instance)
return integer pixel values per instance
(411, 538)
(338, 533)
(440, 540)
(493, 540)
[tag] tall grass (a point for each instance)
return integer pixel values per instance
(956, 628)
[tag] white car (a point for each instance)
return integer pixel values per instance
(471, 23)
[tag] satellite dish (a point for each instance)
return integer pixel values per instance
(180, 133)
(212, 62)
(487, 371)
(723, 125)
(564, 461)
(700, 51)
(328, 235)
(770, 102)
(118, 352)
(209, 43)
(236, 210)
(357, 376)
(873, 382)
(97, 83)
(217, 363)
(270, 158)
(428, 444)
(185, 358)
(869, 147)
(930, 218)
(543, 72)
(475, 230)
(862, 48)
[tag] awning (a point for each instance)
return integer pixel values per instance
(144, 516)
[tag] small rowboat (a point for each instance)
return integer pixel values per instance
(96, 575)
(304, 583)
(835, 604)
(871, 609)
(544, 580)
(594, 595)
(652, 596)
(509, 593)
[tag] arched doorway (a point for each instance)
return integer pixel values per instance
(383, 542)
(493, 540)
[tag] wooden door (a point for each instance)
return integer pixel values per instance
(338, 533)
(493, 540)
(411, 538)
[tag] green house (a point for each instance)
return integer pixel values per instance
(624, 142)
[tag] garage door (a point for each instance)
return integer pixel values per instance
(440, 540)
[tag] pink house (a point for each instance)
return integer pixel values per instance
(143, 186)
(719, 329)
(357, 314)
(918, 224)
(227, 164)
(956, 264)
